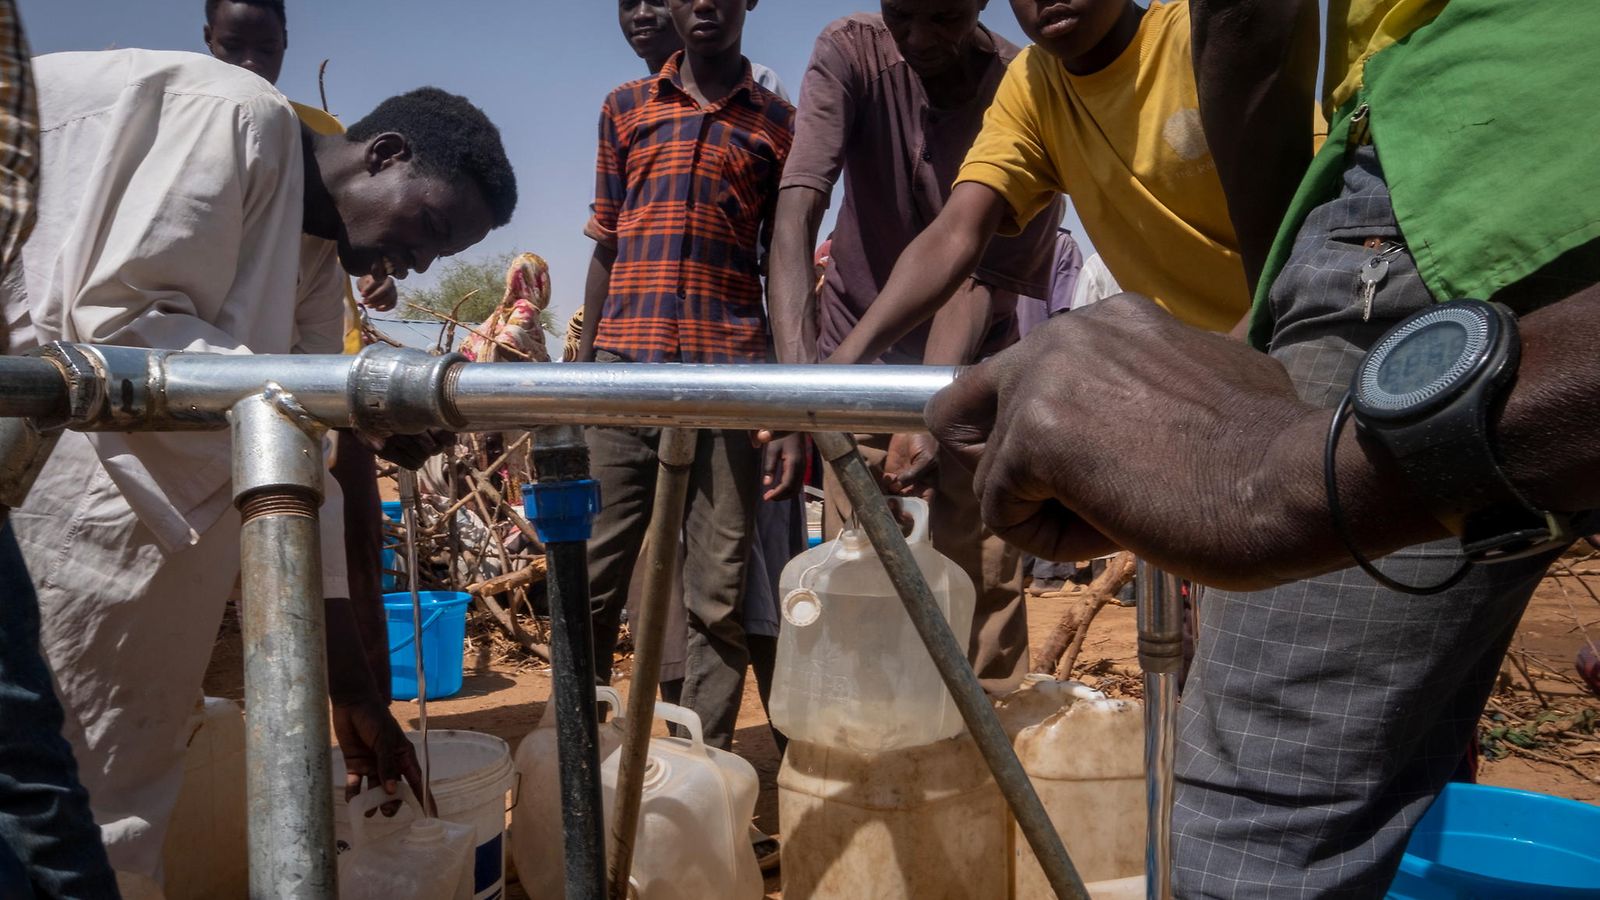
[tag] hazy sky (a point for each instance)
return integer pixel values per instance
(539, 68)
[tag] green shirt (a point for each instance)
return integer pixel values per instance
(1485, 123)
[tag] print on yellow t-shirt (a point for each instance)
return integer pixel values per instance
(1126, 144)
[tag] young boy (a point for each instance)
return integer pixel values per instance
(251, 34)
(210, 218)
(1104, 108)
(688, 167)
(648, 27)
(890, 105)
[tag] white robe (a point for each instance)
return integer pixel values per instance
(170, 212)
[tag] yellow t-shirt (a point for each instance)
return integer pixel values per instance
(1357, 29)
(323, 123)
(1127, 145)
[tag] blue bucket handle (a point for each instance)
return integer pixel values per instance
(426, 624)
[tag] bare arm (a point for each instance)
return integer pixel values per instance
(1256, 68)
(595, 290)
(960, 325)
(928, 273)
(1233, 494)
(791, 288)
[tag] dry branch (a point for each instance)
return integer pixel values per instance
(1060, 650)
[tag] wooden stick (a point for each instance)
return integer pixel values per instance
(322, 86)
(1554, 761)
(501, 584)
(455, 323)
(1060, 650)
(1516, 660)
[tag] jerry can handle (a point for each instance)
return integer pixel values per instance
(369, 800)
(917, 508)
(608, 696)
(688, 718)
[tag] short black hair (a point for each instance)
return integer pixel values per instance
(451, 138)
(273, 6)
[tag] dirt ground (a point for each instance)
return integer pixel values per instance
(505, 697)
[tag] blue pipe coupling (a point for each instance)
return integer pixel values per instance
(562, 511)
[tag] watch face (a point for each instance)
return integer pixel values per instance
(1424, 360)
(1421, 358)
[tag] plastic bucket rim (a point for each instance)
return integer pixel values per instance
(1425, 867)
(402, 599)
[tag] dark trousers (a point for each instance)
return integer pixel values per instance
(718, 519)
(45, 823)
(1321, 718)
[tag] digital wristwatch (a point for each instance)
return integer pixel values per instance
(1427, 392)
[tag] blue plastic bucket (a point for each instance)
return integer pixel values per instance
(444, 631)
(1478, 841)
(392, 510)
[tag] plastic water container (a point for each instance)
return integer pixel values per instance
(1085, 757)
(394, 511)
(693, 840)
(906, 824)
(430, 859)
(472, 785)
(1479, 841)
(444, 631)
(852, 672)
(537, 841)
(205, 854)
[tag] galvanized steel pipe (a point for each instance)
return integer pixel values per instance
(1160, 622)
(401, 391)
(277, 481)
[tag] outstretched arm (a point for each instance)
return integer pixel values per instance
(1232, 495)
(791, 287)
(928, 273)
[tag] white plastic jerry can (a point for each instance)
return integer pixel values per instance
(852, 672)
(431, 859)
(537, 842)
(693, 840)
(1084, 754)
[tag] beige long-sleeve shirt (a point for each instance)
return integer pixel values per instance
(170, 213)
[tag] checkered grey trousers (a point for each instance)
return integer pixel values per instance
(1321, 718)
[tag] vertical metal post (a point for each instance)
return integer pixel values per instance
(277, 483)
(950, 657)
(562, 505)
(676, 454)
(1161, 656)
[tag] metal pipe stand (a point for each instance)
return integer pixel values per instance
(562, 506)
(1161, 656)
(950, 657)
(277, 482)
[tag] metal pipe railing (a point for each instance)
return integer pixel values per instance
(387, 391)
(277, 483)
(1160, 622)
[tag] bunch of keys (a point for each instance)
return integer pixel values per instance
(1372, 274)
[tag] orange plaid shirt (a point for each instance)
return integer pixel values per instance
(686, 194)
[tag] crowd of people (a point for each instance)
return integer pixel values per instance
(1171, 395)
